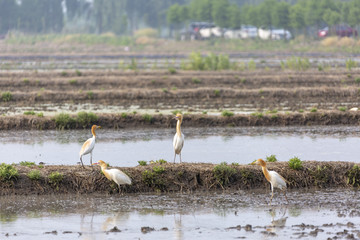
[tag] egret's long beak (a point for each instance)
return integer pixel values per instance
(98, 126)
(95, 163)
(253, 163)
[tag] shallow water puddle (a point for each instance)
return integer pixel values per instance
(126, 147)
(325, 213)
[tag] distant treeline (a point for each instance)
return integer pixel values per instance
(126, 16)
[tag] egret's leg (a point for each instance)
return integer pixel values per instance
(91, 159)
(174, 157)
(119, 189)
(180, 157)
(286, 196)
(81, 162)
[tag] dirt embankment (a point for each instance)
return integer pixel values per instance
(118, 121)
(185, 177)
(201, 90)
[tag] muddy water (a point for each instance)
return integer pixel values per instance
(325, 213)
(213, 145)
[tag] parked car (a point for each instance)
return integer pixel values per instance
(193, 30)
(275, 34)
(244, 32)
(341, 30)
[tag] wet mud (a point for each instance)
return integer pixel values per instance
(185, 177)
(119, 121)
(326, 214)
(199, 91)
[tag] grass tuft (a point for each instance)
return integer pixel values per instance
(271, 158)
(8, 172)
(295, 163)
(34, 175)
(223, 173)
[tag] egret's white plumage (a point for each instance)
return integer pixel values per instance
(178, 141)
(275, 179)
(113, 174)
(88, 145)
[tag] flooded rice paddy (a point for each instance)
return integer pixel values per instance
(327, 213)
(320, 213)
(125, 147)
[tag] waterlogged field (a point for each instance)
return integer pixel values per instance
(43, 84)
(329, 213)
(205, 145)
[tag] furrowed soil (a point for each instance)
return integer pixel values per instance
(185, 177)
(275, 97)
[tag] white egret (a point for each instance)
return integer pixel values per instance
(275, 179)
(114, 174)
(89, 145)
(178, 141)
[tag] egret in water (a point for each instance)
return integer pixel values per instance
(275, 179)
(178, 141)
(89, 145)
(114, 174)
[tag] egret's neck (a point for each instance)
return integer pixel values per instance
(178, 129)
(266, 173)
(93, 132)
(104, 170)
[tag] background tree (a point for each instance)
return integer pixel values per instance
(220, 13)
(8, 13)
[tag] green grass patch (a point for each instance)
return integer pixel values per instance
(147, 117)
(217, 92)
(6, 96)
(313, 110)
(142, 163)
(172, 70)
(227, 113)
(343, 109)
(90, 95)
(296, 63)
(73, 82)
(176, 112)
(26, 80)
(350, 64)
(196, 80)
(257, 114)
(271, 158)
(29, 113)
(78, 73)
(158, 169)
(124, 115)
(161, 161)
(64, 74)
(353, 176)
(8, 172)
(154, 179)
(64, 121)
(133, 65)
(27, 164)
(86, 120)
(34, 175)
(295, 163)
(55, 178)
(223, 173)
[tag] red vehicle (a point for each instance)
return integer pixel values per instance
(340, 30)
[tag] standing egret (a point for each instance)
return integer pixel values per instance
(275, 179)
(114, 174)
(178, 141)
(89, 145)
